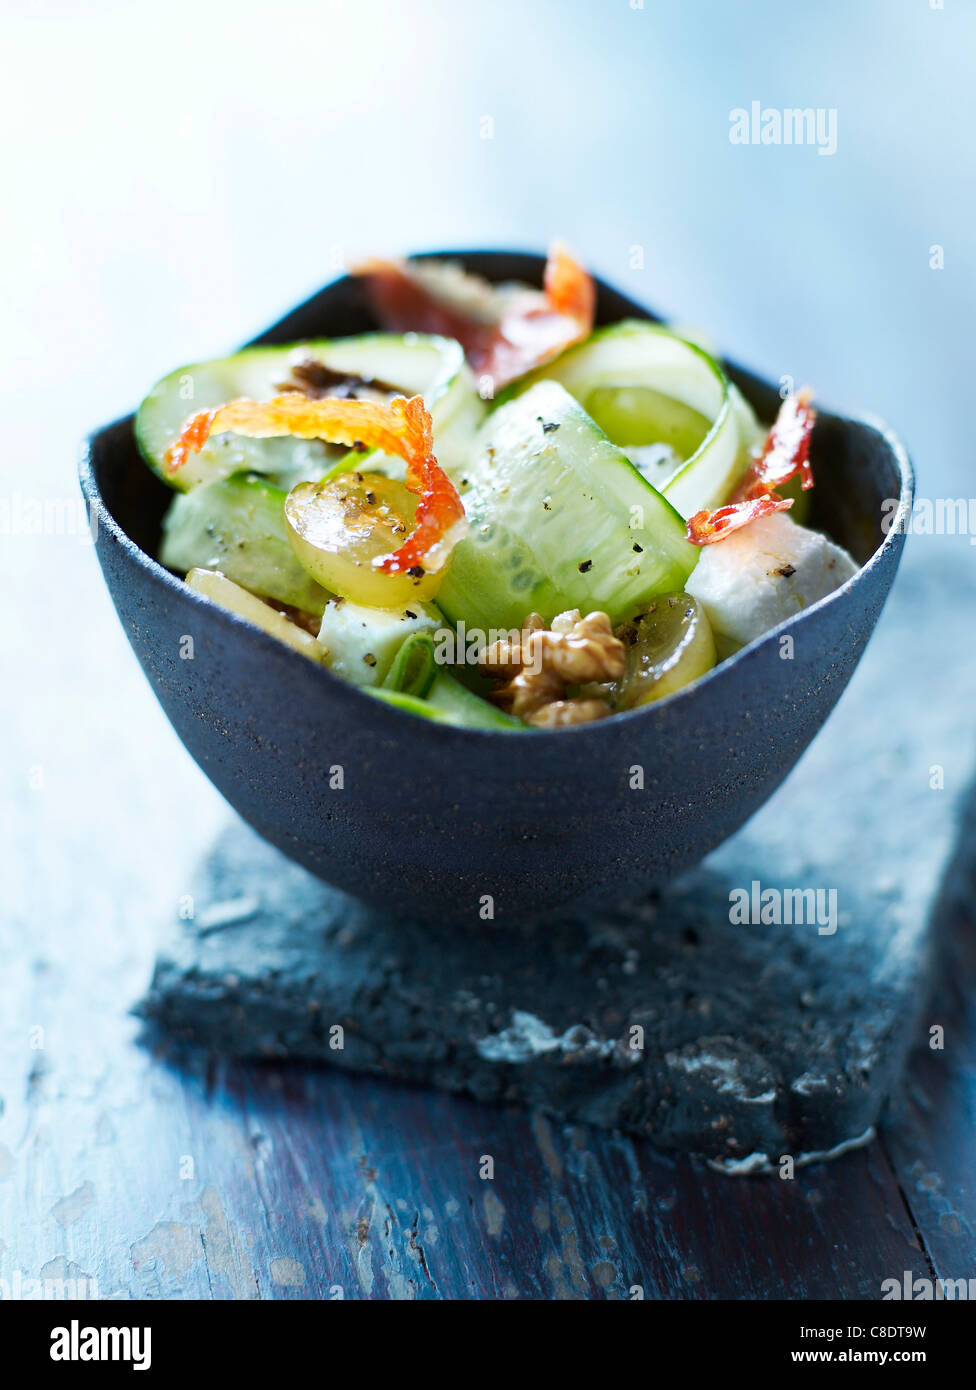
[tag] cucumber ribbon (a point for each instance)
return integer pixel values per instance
(679, 378)
(431, 367)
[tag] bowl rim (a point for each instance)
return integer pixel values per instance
(343, 689)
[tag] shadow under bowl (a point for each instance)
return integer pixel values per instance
(430, 820)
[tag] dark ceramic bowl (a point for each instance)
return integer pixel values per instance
(429, 818)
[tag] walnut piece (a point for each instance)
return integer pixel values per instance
(539, 663)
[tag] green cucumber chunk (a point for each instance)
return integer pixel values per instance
(237, 526)
(559, 518)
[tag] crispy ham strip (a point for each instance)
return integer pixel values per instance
(401, 427)
(504, 334)
(786, 451)
(704, 528)
(785, 454)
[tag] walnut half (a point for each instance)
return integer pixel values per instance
(538, 663)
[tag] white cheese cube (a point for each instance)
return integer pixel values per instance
(766, 572)
(361, 643)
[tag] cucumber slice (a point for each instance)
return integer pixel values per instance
(237, 526)
(683, 390)
(417, 364)
(363, 643)
(227, 594)
(559, 518)
(450, 702)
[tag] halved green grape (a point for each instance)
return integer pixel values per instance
(340, 527)
(669, 645)
(227, 594)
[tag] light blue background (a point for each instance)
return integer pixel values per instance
(176, 176)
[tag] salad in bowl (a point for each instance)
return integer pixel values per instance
(490, 513)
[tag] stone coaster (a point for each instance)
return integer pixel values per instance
(670, 1017)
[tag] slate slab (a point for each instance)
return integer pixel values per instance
(668, 1018)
